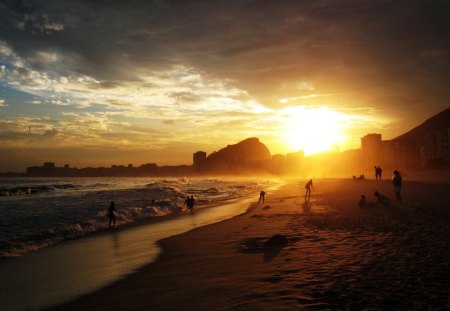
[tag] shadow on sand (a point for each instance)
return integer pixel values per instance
(306, 207)
(269, 247)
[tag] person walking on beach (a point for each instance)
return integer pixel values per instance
(308, 187)
(376, 172)
(112, 216)
(397, 183)
(262, 194)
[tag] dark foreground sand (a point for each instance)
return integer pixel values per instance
(337, 257)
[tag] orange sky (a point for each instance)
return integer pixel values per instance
(101, 83)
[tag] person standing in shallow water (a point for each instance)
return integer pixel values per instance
(397, 183)
(112, 216)
(191, 203)
(187, 203)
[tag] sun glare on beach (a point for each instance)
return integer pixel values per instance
(313, 130)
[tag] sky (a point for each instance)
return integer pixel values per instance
(96, 83)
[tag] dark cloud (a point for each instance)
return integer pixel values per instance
(390, 50)
(105, 85)
(18, 6)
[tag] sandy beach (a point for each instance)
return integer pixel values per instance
(335, 256)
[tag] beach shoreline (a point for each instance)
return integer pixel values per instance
(82, 265)
(337, 256)
(49, 220)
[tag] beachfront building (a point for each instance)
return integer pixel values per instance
(436, 149)
(372, 150)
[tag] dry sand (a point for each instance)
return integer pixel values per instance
(337, 257)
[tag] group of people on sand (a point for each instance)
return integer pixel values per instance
(383, 199)
(380, 198)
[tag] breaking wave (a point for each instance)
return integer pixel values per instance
(53, 212)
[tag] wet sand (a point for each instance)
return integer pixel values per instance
(62, 272)
(337, 256)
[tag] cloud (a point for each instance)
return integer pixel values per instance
(177, 89)
(89, 66)
(327, 46)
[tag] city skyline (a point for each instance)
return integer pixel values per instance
(103, 82)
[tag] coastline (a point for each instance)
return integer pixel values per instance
(397, 256)
(98, 259)
(50, 220)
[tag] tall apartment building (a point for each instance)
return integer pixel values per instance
(372, 150)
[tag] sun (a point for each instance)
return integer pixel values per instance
(313, 129)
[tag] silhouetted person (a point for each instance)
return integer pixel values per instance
(382, 199)
(187, 202)
(308, 187)
(262, 194)
(380, 170)
(376, 172)
(110, 213)
(191, 203)
(362, 202)
(397, 183)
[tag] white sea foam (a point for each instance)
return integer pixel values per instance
(59, 209)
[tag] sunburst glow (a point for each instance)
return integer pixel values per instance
(314, 129)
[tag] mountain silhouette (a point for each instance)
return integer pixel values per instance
(250, 149)
(441, 121)
(249, 153)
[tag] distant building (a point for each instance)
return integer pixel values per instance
(436, 148)
(372, 150)
(47, 169)
(199, 159)
(278, 164)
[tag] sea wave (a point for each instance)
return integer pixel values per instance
(53, 235)
(34, 189)
(35, 222)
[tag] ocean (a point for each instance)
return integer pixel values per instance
(39, 212)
